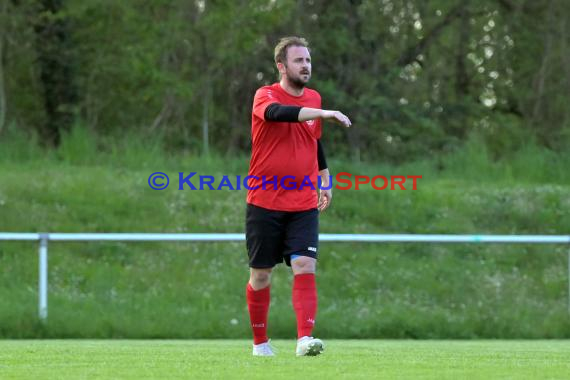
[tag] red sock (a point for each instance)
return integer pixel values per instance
(258, 305)
(305, 303)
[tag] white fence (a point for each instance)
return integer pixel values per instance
(44, 238)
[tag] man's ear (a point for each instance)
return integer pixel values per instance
(281, 67)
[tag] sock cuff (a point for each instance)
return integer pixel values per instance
(264, 292)
(304, 280)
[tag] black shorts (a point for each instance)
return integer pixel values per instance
(273, 236)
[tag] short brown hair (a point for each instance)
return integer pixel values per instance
(283, 45)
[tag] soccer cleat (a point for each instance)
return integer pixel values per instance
(309, 346)
(263, 349)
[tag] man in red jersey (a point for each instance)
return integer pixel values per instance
(282, 203)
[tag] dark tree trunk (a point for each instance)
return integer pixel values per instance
(3, 108)
(56, 69)
(461, 76)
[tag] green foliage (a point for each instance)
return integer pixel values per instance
(78, 146)
(525, 162)
(17, 145)
(417, 78)
(470, 95)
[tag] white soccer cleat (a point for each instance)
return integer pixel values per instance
(263, 349)
(309, 346)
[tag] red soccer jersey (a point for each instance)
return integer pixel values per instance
(283, 149)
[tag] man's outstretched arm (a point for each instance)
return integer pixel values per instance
(279, 112)
(307, 113)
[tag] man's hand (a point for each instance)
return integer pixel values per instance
(307, 113)
(337, 117)
(325, 196)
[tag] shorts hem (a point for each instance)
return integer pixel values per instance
(262, 266)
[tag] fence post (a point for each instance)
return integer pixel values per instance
(43, 277)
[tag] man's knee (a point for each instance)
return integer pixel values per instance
(303, 264)
(260, 278)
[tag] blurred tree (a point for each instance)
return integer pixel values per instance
(55, 60)
(417, 77)
(3, 32)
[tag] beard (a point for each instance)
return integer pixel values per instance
(297, 81)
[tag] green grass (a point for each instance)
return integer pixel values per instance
(153, 290)
(231, 359)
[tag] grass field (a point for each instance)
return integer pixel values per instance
(224, 359)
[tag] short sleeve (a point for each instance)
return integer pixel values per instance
(263, 98)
